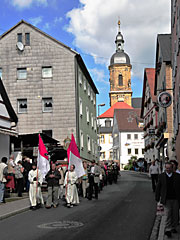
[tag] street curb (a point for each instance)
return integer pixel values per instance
(156, 227)
(14, 213)
(161, 230)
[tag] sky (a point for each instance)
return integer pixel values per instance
(90, 27)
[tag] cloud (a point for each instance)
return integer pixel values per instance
(35, 21)
(98, 75)
(94, 26)
(58, 20)
(28, 3)
(46, 26)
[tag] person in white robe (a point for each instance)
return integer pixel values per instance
(35, 195)
(71, 193)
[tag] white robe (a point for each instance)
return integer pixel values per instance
(71, 189)
(35, 195)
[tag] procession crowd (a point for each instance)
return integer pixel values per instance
(61, 182)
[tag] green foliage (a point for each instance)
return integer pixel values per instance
(129, 166)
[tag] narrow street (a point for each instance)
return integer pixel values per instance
(125, 211)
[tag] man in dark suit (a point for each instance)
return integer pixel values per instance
(167, 192)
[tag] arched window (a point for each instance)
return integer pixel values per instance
(120, 80)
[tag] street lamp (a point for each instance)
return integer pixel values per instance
(99, 105)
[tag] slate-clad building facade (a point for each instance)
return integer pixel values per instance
(49, 87)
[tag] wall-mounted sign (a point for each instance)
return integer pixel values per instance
(164, 99)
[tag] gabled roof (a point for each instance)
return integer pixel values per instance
(7, 103)
(77, 55)
(38, 30)
(128, 119)
(149, 77)
(110, 112)
(164, 42)
(163, 46)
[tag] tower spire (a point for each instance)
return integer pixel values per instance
(119, 23)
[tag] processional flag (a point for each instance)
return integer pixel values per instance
(42, 160)
(74, 157)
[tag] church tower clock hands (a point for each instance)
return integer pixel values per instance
(120, 73)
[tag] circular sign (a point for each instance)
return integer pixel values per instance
(164, 99)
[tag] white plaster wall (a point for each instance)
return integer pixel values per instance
(132, 144)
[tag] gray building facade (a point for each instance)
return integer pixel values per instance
(41, 76)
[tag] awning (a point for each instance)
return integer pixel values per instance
(8, 132)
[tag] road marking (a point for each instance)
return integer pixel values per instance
(61, 224)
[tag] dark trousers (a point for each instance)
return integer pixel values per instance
(154, 179)
(93, 187)
(19, 186)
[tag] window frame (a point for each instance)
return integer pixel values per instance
(27, 39)
(46, 75)
(43, 102)
(18, 105)
(19, 73)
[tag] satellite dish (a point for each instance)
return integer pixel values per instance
(20, 46)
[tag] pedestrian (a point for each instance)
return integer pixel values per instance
(52, 178)
(94, 180)
(85, 180)
(11, 171)
(27, 167)
(71, 193)
(154, 173)
(3, 173)
(35, 196)
(61, 182)
(19, 178)
(167, 192)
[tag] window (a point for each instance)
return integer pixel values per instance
(0, 72)
(80, 77)
(94, 99)
(89, 91)
(95, 124)
(88, 143)
(46, 72)
(47, 104)
(47, 132)
(110, 155)
(102, 139)
(129, 151)
(84, 84)
(110, 138)
(120, 80)
(92, 120)
(22, 105)
(136, 151)
(136, 136)
(142, 150)
(93, 147)
(91, 96)
(19, 37)
(21, 73)
(128, 136)
(107, 123)
(87, 114)
(27, 39)
(103, 155)
(81, 139)
(80, 107)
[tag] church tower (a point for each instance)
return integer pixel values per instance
(120, 73)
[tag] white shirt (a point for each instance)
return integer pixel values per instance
(154, 169)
